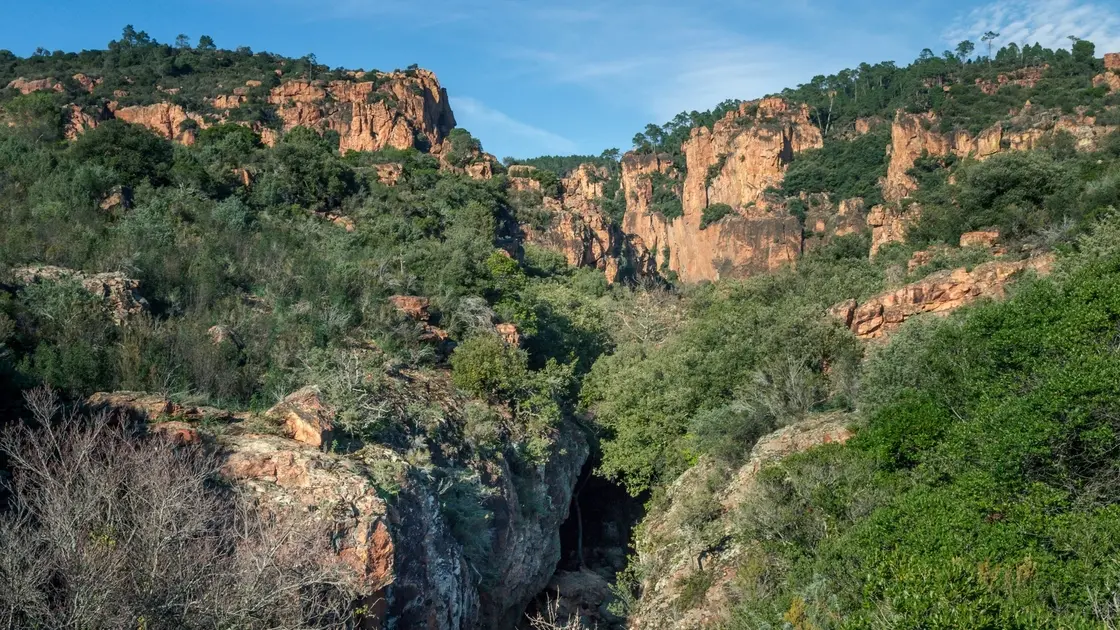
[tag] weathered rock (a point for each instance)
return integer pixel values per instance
(733, 163)
(825, 220)
(77, 122)
(391, 111)
(941, 292)
(152, 408)
(180, 433)
(510, 334)
(1024, 77)
(579, 229)
(88, 83)
(669, 554)
(980, 238)
(1109, 78)
(889, 224)
(306, 418)
(26, 86)
(389, 174)
(412, 306)
(915, 135)
(166, 119)
(1112, 61)
(118, 199)
(120, 294)
(411, 570)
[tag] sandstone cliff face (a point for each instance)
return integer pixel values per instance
(914, 135)
(671, 552)
(399, 110)
(578, 228)
(941, 292)
(386, 517)
(745, 153)
(166, 119)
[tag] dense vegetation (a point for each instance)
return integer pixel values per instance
(979, 491)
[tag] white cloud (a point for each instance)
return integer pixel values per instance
(477, 116)
(1048, 22)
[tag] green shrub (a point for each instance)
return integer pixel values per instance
(714, 213)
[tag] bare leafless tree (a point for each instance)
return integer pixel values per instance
(108, 529)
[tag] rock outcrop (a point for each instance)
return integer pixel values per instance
(120, 294)
(577, 228)
(915, 135)
(671, 551)
(26, 86)
(166, 119)
(385, 516)
(733, 163)
(942, 292)
(399, 110)
(889, 224)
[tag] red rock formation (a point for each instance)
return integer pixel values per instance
(1111, 79)
(579, 229)
(389, 174)
(1112, 61)
(305, 417)
(165, 119)
(980, 238)
(743, 155)
(27, 87)
(88, 83)
(825, 220)
(392, 111)
(889, 224)
(1025, 77)
(914, 135)
(941, 292)
(671, 554)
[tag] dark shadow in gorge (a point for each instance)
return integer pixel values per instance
(595, 542)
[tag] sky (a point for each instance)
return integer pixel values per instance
(537, 77)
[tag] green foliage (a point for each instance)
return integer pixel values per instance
(489, 368)
(752, 357)
(133, 152)
(564, 165)
(981, 491)
(464, 148)
(666, 199)
(842, 168)
(714, 213)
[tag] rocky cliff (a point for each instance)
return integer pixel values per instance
(693, 532)
(373, 111)
(941, 293)
(577, 227)
(915, 135)
(387, 514)
(733, 163)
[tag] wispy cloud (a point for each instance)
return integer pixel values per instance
(478, 116)
(1047, 22)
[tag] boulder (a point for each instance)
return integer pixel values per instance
(306, 417)
(941, 292)
(980, 238)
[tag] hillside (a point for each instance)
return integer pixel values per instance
(839, 357)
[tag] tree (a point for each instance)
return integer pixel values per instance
(988, 38)
(965, 50)
(206, 43)
(182, 42)
(1084, 51)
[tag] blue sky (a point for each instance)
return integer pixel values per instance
(532, 77)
